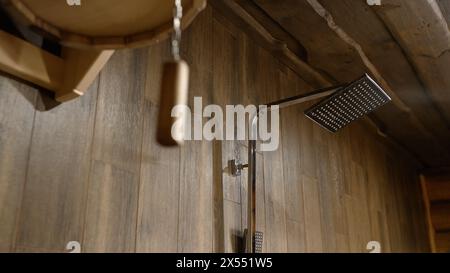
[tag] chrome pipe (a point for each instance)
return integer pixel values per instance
(250, 246)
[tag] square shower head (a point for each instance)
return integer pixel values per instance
(348, 104)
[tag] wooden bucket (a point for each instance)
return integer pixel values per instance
(102, 24)
(89, 33)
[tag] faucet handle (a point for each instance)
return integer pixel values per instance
(235, 167)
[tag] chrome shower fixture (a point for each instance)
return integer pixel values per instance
(340, 106)
(348, 104)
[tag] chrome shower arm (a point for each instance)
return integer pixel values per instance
(284, 103)
(317, 94)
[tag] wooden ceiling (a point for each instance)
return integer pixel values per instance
(403, 44)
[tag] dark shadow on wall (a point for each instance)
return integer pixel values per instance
(45, 99)
(238, 240)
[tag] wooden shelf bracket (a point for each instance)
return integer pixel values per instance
(68, 76)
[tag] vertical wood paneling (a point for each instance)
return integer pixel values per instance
(111, 215)
(195, 230)
(357, 210)
(232, 227)
(293, 187)
(118, 127)
(268, 85)
(275, 228)
(226, 92)
(115, 169)
(313, 224)
(96, 174)
(195, 220)
(157, 228)
(159, 193)
(17, 112)
(337, 193)
(327, 197)
(52, 212)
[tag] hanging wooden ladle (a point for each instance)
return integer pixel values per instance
(174, 90)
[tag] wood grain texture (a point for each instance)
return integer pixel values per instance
(195, 216)
(116, 156)
(111, 213)
(424, 129)
(232, 227)
(438, 187)
(58, 169)
(195, 229)
(117, 137)
(275, 215)
(81, 68)
(443, 242)
(389, 57)
(16, 126)
(102, 179)
(274, 178)
(28, 62)
(159, 193)
(313, 222)
(157, 227)
(436, 203)
(293, 187)
(440, 216)
(429, 52)
(140, 23)
(227, 92)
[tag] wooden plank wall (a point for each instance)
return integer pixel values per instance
(436, 197)
(90, 170)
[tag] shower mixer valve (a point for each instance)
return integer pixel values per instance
(235, 167)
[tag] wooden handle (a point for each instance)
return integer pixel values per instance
(174, 91)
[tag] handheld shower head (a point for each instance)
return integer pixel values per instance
(348, 104)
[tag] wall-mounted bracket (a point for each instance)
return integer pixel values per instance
(235, 167)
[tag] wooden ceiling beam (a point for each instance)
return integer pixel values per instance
(445, 8)
(429, 122)
(343, 35)
(388, 57)
(273, 43)
(423, 32)
(239, 16)
(275, 29)
(333, 55)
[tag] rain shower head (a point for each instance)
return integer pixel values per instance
(348, 104)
